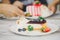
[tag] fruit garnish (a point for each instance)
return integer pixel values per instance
(19, 30)
(28, 15)
(44, 25)
(42, 29)
(24, 29)
(37, 2)
(47, 29)
(30, 28)
(40, 18)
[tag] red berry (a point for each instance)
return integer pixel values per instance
(47, 30)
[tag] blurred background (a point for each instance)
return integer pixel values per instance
(48, 1)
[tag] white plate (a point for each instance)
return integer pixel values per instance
(14, 29)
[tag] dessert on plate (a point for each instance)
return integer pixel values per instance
(37, 24)
(34, 20)
(38, 9)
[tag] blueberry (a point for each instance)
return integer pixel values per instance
(24, 29)
(19, 30)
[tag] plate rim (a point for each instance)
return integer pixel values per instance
(33, 35)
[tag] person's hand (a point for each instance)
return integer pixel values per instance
(10, 10)
(18, 4)
(52, 8)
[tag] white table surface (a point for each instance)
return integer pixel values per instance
(5, 34)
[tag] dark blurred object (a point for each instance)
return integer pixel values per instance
(12, 1)
(0, 1)
(43, 2)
